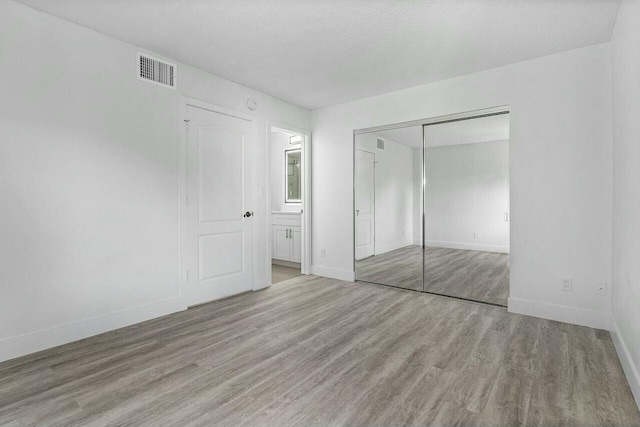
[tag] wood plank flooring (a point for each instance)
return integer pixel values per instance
(280, 273)
(475, 275)
(316, 351)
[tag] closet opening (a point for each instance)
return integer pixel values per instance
(431, 206)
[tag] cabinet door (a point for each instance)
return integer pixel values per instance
(295, 244)
(281, 243)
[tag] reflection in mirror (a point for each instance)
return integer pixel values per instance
(292, 179)
(467, 209)
(388, 207)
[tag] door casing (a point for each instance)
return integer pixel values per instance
(305, 217)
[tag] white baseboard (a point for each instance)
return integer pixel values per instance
(560, 313)
(333, 273)
(468, 246)
(51, 337)
(630, 369)
(382, 248)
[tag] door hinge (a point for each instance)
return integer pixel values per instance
(187, 275)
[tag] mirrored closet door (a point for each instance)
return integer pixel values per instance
(431, 207)
(466, 165)
(388, 207)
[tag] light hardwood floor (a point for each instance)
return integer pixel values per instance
(280, 273)
(315, 351)
(475, 275)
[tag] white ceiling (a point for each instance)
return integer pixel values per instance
(318, 53)
(485, 129)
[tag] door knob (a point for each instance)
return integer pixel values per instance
(357, 212)
(248, 214)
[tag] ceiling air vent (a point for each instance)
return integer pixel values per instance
(156, 71)
(380, 144)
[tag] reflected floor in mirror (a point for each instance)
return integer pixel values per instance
(475, 275)
(400, 268)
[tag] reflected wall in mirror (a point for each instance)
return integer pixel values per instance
(467, 209)
(292, 179)
(388, 213)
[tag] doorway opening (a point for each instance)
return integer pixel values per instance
(289, 196)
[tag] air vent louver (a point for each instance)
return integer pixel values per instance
(380, 144)
(156, 71)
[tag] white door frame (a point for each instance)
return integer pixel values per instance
(186, 102)
(305, 217)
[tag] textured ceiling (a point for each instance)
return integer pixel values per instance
(318, 53)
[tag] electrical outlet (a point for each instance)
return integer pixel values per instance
(323, 253)
(601, 288)
(476, 235)
(567, 284)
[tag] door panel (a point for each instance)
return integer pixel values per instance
(467, 234)
(221, 173)
(219, 236)
(364, 204)
(219, 255)
(389, 207)
(281, 243)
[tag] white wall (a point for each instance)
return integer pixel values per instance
(626, 190)
(89, 181)
(393, 192)
(279, 144)
(560, 170)
(467, 192)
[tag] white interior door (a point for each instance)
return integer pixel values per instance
(219, 229)
(364, 204)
